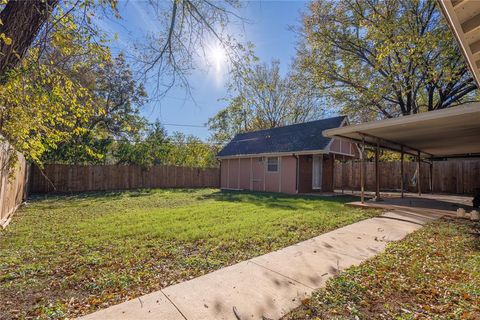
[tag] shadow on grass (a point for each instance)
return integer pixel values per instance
(275, 200)
(102, 196)
(264, 199)
(99, 196)
(425, 203)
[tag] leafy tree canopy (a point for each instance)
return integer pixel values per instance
(145, 151)
(190, 151)
(157, 147)
(261, 98)
(46, 100)
(117, 102)
(382, 58)
(62, 95)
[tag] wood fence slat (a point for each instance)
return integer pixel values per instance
(453, 176)
(79, 178)
(12, 183)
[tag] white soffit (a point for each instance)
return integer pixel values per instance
(464, 19)
(442, 133)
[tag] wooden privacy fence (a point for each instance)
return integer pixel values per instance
(12, 183)
(79, 178)
(453, 176)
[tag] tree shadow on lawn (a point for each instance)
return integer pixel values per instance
(98, 197)
(276, 200)
(263, 199)
(91, 196)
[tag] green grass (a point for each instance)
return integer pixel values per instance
(433, 273)
(67, 256)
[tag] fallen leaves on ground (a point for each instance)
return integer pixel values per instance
(66, 256)
(433, 273)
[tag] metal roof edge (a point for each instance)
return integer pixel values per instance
(431, 115)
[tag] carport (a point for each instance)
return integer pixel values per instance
(448, 133)
(440, 134)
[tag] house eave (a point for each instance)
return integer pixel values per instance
(273, 154)
(468, 40)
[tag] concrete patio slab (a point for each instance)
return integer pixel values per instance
(268, 286)
(414, 217)
(148, 307)
(244, 290)
(426, 204)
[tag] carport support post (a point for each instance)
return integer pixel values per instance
(362, 173)
(342, 164)
(333, 174)
(377, 173)
(401, 169)
(431, 176)
(419, 174)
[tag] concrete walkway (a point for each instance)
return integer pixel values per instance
(269, 286)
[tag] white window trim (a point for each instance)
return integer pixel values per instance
(278, 165)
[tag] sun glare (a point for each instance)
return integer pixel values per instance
(217, 57)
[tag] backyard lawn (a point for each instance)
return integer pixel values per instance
(67, 256)
(434, 273)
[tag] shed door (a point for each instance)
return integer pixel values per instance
(317, 172)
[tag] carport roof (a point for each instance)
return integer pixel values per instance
(442, 133)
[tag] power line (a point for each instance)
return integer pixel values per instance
(210, 143)
(183, 125)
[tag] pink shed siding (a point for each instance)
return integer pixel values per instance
(258, 174)
(272, 179)
(234, 173)
(251, 174)
(335, 145)
(346, 147)
(289, 174)
(343, 147)
(223, 173)
(245, 173)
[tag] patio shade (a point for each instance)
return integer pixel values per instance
(443, 133)
(464, 19)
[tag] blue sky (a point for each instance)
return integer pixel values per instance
(267, 28)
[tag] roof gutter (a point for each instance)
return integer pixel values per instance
(272, 154)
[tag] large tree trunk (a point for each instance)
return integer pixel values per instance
(22, 20)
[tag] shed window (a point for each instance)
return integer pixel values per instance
(272, 164)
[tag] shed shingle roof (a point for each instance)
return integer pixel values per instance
(293, 138)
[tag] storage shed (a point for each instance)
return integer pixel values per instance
(290, 159)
